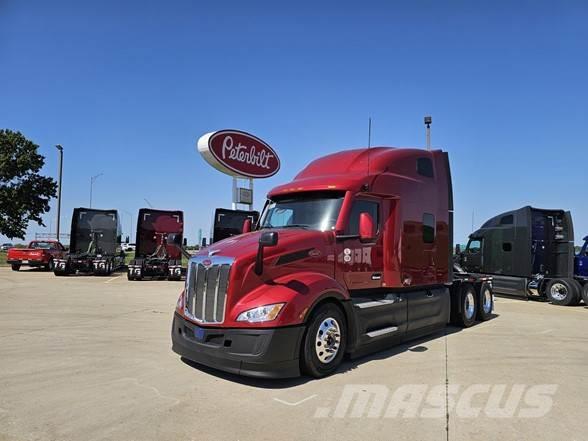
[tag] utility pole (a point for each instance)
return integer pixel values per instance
(60, 149)
(92, 180)
(428, 122)
(131, 239)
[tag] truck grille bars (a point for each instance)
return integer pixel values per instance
(206, 288)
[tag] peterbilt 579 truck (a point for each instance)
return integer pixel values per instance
(158, 252)
(530, 253)
(351, 257)
(94, 246)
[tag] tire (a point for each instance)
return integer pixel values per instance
(468, 306)
(579, 291)
(562, 292)
(15, 266)
(585, 294)
(325, 329)
(485, 302)
(50, 265)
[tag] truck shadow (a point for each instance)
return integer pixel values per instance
(418, 345)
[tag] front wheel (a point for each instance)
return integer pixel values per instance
(15, 267)
(325, 341)
(562, 292)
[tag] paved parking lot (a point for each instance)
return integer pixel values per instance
(86, 358)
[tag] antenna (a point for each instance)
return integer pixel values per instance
(369, 132)
(369, 143)
(148, 203)
(428, 122)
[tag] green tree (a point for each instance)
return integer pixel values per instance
(24, 193)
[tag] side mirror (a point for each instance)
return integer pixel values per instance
(246, 226)
(185, 242)
(367, 230)
(267, 239)
(457, 249)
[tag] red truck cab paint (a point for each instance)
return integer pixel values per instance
(39, 253)
(353, 255)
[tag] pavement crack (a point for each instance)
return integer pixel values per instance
(446, 389)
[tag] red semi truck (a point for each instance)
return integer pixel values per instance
(352, 256)
(159, 242)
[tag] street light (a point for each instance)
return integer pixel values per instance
(428, 122)
(130, 226)
(92, 180)
(60, 149)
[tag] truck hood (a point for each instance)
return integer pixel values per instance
(245, 246)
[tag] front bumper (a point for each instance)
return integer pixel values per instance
(263, 353)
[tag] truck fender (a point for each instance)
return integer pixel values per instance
(300, 291)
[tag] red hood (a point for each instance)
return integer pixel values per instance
(245, 245)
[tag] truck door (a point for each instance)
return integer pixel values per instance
(472, 258)
(381, 314)
(360, 264)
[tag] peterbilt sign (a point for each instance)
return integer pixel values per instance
(239, 154)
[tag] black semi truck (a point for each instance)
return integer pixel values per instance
(530, 253)
(159, 245)
(229, 223)
(94, 244)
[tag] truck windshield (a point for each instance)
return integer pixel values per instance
(315, 212)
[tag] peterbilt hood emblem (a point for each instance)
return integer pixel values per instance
(206, 263)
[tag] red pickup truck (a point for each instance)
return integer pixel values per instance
(40, 253)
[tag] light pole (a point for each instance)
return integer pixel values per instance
(131, 240)
(428, 122)
(92, 180)
(60, 149)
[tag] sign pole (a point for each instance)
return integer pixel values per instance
(235, 185)
(251, 188)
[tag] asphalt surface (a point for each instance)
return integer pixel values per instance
(85, 358)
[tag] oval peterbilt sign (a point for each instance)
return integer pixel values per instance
(239, 154)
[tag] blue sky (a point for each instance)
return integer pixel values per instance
(128, 87)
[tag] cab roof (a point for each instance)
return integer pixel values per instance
(348, 170)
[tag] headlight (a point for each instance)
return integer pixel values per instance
(261, 314)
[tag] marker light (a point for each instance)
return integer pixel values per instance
(180, 302)
(261, 314)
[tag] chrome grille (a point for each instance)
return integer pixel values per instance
(206, 288)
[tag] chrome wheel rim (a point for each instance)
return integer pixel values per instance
(558, 291)
(328, 340)
(469, 305)
(487, 301)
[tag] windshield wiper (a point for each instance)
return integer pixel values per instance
(295, 226)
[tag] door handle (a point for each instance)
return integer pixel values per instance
(376, 276)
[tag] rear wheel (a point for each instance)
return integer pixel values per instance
(468, 306)
(562, 292)
(585, 294)
(485, 302)
(325, 341)
(15, 266)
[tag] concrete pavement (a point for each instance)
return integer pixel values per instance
(86, 358)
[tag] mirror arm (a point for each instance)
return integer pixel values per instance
(259, 261)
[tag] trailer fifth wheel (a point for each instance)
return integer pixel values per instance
(353, 256)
